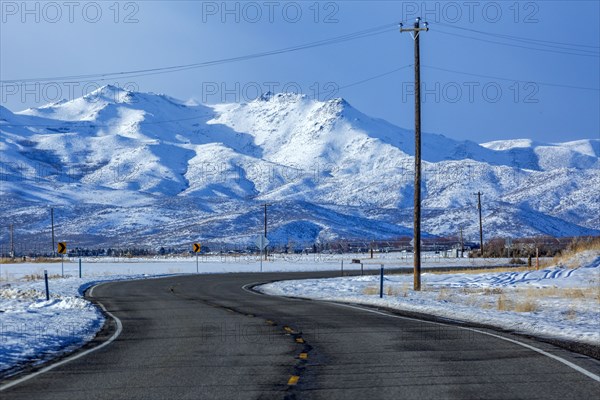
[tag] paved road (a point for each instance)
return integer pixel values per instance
(204, 337)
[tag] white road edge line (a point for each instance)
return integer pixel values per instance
(76, 356)
(527, 346)
(540, 351)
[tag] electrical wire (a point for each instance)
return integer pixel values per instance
(78, 124)
(152, 71)
(519, 46)
(511, 80)
(519, 38)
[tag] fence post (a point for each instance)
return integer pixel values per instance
(80, 268)
(342, 267)
(46, 282)
(381, 282)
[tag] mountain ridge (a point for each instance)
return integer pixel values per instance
(115, 149)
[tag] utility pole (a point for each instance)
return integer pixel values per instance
(266, 251)
(52, 221)
(478, 194)
(12, 241)
(462, 243)
(415, 30)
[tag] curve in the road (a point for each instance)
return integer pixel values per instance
(205, 336)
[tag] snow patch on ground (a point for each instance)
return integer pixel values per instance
(33, 329)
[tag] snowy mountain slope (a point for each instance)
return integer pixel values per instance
(128, 166)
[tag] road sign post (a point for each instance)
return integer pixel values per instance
(197, 247)
(62, 250)
(261, 242)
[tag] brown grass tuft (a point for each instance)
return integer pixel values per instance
(577, 246)
(503, 303)
(525, 306)
(371, 290)
(481, 271)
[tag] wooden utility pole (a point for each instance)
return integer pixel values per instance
(266, 251)
(52, 222)
(462, 243)
(12, 241)
(478, 194)
(415, 30)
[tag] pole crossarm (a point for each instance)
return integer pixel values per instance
(416, 28)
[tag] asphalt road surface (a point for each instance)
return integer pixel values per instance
(205, 336)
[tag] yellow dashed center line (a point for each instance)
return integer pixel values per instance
(293, 380)
(303, 356)
(299, 340)
(288, 329)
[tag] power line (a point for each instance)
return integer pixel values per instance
(84, 124)
(375, 77)
(152, 71)
(596, 55)
(510, 79)
(521, 39)
(79, 124)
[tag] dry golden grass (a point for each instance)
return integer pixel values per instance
(19, 260)
(490, 291)
(586, 244)
(525, 306)
(591, 293)
(505, 304)
(566, 256)
(389, 290)
(481, 271)
(502, 304)
(371, 290)
(405, 289)
(38, 277)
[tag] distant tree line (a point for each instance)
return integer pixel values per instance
(547, 246)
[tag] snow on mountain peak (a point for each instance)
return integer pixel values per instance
(286, 147)
(109, 94)
(509, 144)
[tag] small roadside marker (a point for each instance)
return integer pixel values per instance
(293, 380)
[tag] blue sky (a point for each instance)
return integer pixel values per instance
(476, 88)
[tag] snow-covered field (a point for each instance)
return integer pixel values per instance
(562, 301)
(107, 266)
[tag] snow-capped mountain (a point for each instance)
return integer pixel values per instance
(125, 167)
